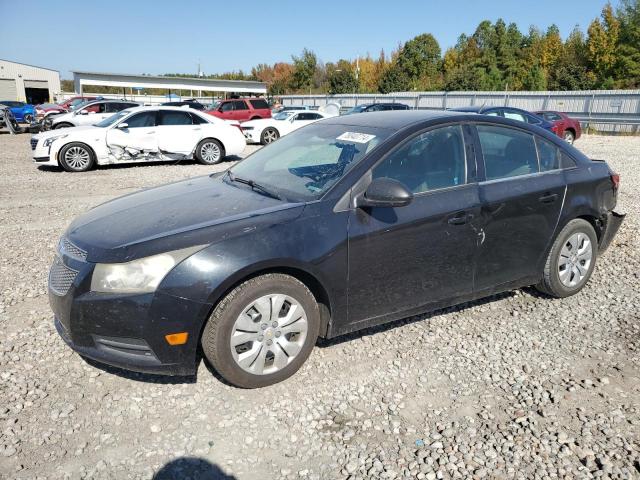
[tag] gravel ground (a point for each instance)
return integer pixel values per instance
(515, 386)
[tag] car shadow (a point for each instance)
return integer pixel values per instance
(191, 467)
(321, 343)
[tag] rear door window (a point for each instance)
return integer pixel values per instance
(507, 152)
(174, 118)
(240, 105)
(141, 120)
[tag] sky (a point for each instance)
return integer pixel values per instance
(158, 37)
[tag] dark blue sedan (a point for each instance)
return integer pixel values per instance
(23, 112)
(511, 113)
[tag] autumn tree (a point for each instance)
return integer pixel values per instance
(602, 44)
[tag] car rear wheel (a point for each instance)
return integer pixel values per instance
(209, 151)
(62, 125)
(262, 332)
(571, 260)
(76, 157)
(569, 136)
(269, 135)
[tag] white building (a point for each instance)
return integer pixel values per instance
(27, 83)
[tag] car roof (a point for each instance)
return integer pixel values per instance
(394, 119)
(170, 108)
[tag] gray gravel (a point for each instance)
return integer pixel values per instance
(517, 386)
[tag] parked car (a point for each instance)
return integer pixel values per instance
(90, 113)
(73, 102)
(241, 109)
(509, 112)
(45, 109)
(565, 126)
(268, 130)
(377, 107)
(7, 120)
(141, 134)
(22, 112)
(186, 103)
(344, 224)
(289, 108)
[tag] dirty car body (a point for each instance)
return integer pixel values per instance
(460, 235)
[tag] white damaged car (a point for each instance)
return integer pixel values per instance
(141, 134)
(267, 130)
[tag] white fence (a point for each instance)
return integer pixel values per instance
(616, 111)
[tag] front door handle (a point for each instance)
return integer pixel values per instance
(548, 198)
(460, 218)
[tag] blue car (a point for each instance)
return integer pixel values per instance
(23, 112)
(509, 112)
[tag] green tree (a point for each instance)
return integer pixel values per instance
(627, 70)
(394, 79)
(420, 61)
(342, 78)
(602, 44)
(304, 70)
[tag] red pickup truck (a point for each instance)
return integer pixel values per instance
(241, 109)
(564, 126)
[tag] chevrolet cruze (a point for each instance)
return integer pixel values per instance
(347, 223)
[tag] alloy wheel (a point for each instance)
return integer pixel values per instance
(77, 158)
(575, 260)
(270, 136)
(268, 334)
(210, 152)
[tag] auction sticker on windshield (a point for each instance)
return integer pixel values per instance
(356, 137)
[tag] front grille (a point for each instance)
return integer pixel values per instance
(61, 277)
(34, 143)
(70, 249)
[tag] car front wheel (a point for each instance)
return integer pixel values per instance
(262, 332)
(571, 260)
(62, 125)
(76, 157)
(269, 135)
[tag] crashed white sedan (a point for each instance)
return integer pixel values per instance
(267, 130)
(141, 134)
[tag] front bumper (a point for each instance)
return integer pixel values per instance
(125, 331)
(613, 222)
(41, 154)
(252, 136)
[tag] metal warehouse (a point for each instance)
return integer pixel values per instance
(27, 83)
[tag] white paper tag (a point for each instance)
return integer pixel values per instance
(356, 137)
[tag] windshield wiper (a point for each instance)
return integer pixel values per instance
(255, 186)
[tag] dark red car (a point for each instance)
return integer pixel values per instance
(241, 109)
(564, 126)
(69, 103)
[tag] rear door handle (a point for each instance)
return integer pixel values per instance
(548, 198)
(460, 218)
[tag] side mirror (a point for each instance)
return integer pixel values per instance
(123, 126)
(385, 192)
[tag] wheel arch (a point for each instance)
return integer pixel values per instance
(310, 280)
(95, 156)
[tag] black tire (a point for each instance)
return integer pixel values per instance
(81, 147)
(551, 283)
(569, 136)
(63, 125)
(217, 332)
(269, 135)
(206, 148)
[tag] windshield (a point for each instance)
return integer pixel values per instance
(303, 165)
(107, 122)
(283, 115)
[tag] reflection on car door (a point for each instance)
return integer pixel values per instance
(520, 207)
(95, 114)
(177, 133)
(408, 257)
(136, 142)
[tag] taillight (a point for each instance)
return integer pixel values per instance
(615, 180)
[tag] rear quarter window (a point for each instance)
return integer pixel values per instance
(259, 104)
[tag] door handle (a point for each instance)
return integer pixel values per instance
(460, 218)
(151, 133)
(196, 129)
(548, 198)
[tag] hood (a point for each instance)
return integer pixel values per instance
(60, 132)
(199, 211)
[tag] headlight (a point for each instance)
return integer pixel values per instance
(247, 128)
(139, 276)
(50, 140)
